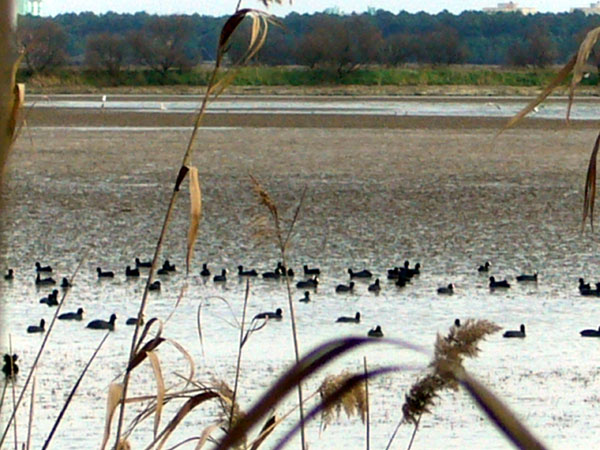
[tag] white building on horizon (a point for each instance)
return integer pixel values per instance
(33, 7)
(510, 7)
(594, 8)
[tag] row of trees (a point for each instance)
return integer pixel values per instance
(161, 43)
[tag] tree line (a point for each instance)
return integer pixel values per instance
(110, 42)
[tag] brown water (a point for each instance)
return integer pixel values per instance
(447, 198)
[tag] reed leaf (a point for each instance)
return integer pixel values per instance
(195, 215)
(589, 196)
(146, 331)
(265, 431)
(206, 435)
(188, 406)
(141, 355)
(499, 413)
(160, 388)
(560, 78)
(316, 359)
(583, 54)
(115, 393)
(188, 358)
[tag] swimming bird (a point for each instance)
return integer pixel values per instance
(590, 292)
(221, 278)
(361, 274)
(590, 333)
(163, 271)
(311, 271)
(99, 324)
(457, 323)
(10, 367)
(139, 263)
(129, 272)
(375, 287)
(376, 332)
(43, 281)
(346, 319)
(514, 333)
(246, 273)
(524, 277)
(411, 272)
(306, 297)
(485, 267)
(9, 275)
(105, 274)
(134, 320)
(393, 274)
(498, 284)
(168, 266)
(446, 290)
(65, 283)
(310, 283)
(154, 286)
(205, 272)
(277, 315)
(40, 268)
(401, 281)
(345, 287)
(51, 299)
(72, 315)
(36, 328)
(583, 285)
(272, 275)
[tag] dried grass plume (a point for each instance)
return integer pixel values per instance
(353, 402)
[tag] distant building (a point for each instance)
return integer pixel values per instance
(594, 8)
(510, 7)
(32, 7)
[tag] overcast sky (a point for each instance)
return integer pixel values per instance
(222, 7)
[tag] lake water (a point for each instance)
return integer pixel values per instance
(400, 106)
(448, 199)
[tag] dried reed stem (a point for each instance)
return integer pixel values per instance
(40, 351)
(72, 393)
(239, 356)
(282, 243)
(31, 404)
(414, 433)
(15, 420)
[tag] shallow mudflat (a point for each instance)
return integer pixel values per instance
(435, 190)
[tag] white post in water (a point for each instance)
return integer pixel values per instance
(8, 60)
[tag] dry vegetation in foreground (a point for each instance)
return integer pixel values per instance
(347, 392)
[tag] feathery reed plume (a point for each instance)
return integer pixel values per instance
(353, 402)
(282, 242)
(449, 353)
(316, 359)
(230, 410)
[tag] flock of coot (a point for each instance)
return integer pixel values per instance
(402, 275)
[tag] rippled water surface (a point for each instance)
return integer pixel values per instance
(446, 198)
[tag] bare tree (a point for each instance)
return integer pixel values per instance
(341, 43)
(536, 50)
(106, 51)
(44, 43)
(161, 46)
